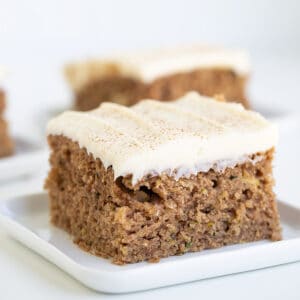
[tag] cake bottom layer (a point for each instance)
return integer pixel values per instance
(128, 91)
(159, 216)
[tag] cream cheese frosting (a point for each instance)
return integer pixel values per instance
(192, 134)
(149, 65)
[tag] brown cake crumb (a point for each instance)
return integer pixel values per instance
(158, 216)
(128, 91)
(6, 144)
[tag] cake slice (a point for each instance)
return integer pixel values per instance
(162, 178)
(6, 143)
(159, 74)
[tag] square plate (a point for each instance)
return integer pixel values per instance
(26, 219)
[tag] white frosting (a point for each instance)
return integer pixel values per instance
(148, 66)
(183, 137)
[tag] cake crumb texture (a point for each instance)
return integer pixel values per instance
(128, 91)
(158, 216)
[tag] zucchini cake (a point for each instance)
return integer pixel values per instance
(162, 178)
(159, 74)
(6, 143)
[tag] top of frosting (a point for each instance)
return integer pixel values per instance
(152, 137)
(150, 65)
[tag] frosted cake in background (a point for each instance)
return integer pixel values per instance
(161, 75)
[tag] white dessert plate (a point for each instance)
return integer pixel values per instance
(26, 219)
(27, 159)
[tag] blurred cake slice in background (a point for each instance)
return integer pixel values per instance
(159, 74)
(6, 143)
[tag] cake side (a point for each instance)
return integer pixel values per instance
(122, 90)
(158, 216)
(2, 101)
(161, 74)
(161, 179)
(206, 81)
(6, 143)
(128, 91)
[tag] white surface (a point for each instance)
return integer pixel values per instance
(26, 219)
(181, 138)
(147, 66)
(27, 159)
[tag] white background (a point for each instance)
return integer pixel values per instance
(38, 37)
